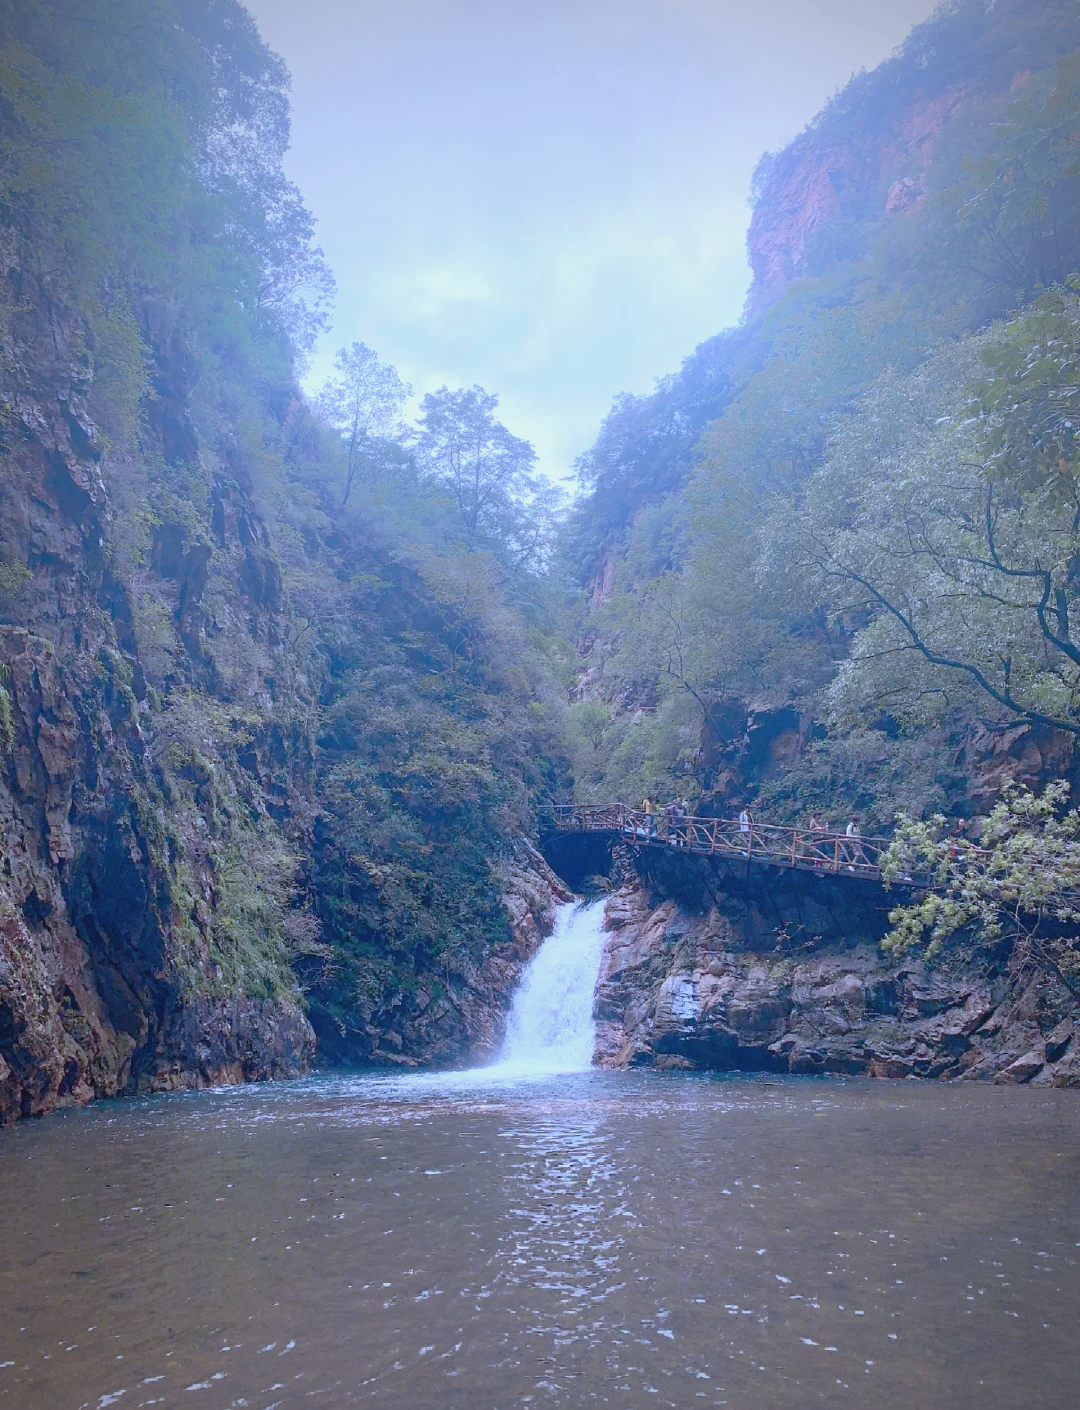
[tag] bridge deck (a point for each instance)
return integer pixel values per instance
(798, 848)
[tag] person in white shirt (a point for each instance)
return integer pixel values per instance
(855, 853)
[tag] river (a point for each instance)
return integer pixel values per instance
(520, 1236)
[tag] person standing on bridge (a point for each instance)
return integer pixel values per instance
(746, 828)
(648, 807)
(818, 830)
(855, 854)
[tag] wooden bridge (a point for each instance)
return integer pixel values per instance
(798, 848)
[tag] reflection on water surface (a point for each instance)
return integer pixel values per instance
(610, 1239)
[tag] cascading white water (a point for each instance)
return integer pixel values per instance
(551, 1026)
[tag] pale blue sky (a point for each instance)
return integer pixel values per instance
(549, 197)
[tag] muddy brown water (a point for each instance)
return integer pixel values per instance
(606, 1239)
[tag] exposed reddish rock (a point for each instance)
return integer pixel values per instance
(1022, 753)
(803, 194)
(819, 178)
(905, 192)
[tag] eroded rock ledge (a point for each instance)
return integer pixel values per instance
(747, 984)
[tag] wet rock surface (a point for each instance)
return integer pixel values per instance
(159, 776)
(745, 984)
(103, 990)
(109, 886)
(456, 1016)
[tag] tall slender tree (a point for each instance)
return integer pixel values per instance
(363, 402)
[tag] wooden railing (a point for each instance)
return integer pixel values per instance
(802, 848)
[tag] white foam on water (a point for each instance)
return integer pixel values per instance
(551, 1027)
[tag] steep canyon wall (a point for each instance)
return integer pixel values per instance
(160, 790)
(111, 973)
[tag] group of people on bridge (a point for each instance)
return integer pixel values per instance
(672, 823)
(816, 845)
(673, 815)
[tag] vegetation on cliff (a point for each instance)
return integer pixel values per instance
(856, 512)
(284, 677)
(321, 636)
(1017, 891)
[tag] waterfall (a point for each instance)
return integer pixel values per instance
(551, 1026)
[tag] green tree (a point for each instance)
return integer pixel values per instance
(1020, 886)
(489, 472)
(1019, 207)
(956, 571)
(363, 403)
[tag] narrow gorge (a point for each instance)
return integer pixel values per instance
(484, 929)
(288, 698)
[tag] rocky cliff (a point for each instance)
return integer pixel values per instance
(272, 724)
(455, 1014)
(160, 780)
(112, 972)
(760, 747)
(784, 973)
(822, 183)
(868, 156)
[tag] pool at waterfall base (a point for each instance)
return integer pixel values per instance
(532, 1235)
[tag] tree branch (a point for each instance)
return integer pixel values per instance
(1003, 698)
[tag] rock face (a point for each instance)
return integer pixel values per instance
(109, 885)
(747, 743)
(785, 974)
(531, 893)
(821, 180)
(114, 882)
(158, 767)
(456, 1017)
(833, 175)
